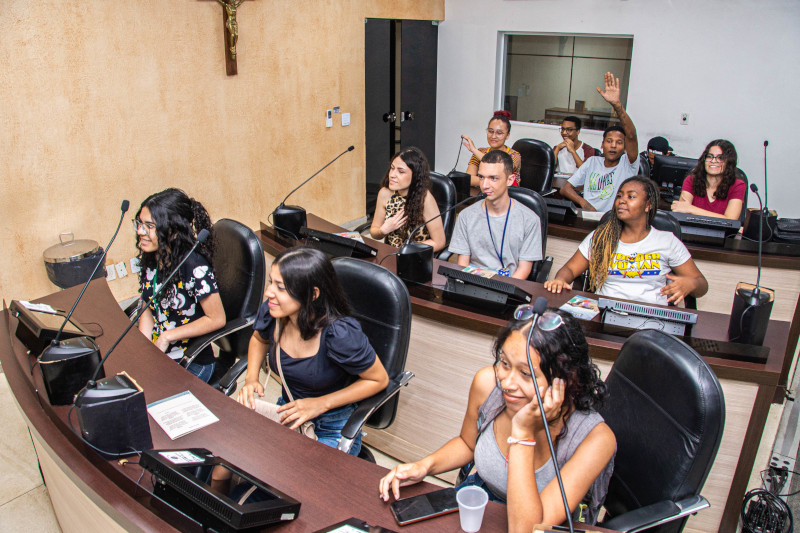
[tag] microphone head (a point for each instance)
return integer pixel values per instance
(351, 148)
(753, 187)
(203, 236)
(125, 205)
(766, 142)
(540, 305)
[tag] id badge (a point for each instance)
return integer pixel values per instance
(504, 272)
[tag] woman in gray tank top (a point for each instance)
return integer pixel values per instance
(503, 432)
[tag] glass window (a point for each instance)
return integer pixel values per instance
(548, 77)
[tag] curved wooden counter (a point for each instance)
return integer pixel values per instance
(92, 494)
(449, 343)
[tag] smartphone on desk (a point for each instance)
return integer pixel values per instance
(429, 505)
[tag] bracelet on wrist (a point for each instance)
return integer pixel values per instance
(524, 442)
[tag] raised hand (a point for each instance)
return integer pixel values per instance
(611, 91)
(468, 144)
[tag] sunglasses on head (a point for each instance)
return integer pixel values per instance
(548, 321)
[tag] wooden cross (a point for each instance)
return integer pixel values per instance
(231, 33)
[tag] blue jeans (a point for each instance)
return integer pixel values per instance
(203, 372)
(328, 426)
(477, 481)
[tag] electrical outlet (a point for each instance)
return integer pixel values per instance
(135, 268)
(684, 119)
(111, 274)
(329, 118)
(121, 270)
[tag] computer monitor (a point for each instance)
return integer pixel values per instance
(669, 171)
(215, 492)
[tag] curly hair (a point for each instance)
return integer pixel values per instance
(700, 181)
(563, 353)
(303, 270)
(178, 220)
(420, 185)
(606, 236)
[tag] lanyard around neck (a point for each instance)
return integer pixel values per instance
(503, 239)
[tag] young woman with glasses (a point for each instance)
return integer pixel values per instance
(712, 189)
(405, 202)
(497, 134)
(627, 258)
(503, 433)
(166, 225)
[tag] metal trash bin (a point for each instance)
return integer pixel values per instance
(70, 262)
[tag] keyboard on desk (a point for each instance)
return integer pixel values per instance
(336, 245)
(559, 209)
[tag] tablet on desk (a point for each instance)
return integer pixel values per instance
(354, 525)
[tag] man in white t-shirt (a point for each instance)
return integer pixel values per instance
(572, 152)
(601, 176)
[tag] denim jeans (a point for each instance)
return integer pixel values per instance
(477, 481)
(203, 372)
(328, 426)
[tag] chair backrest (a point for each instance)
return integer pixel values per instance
(380, 302)
(668, 431)
(533, 201)
(444, 192)
(663, 221)
(740, 175)
(538, 164)
(240, 270)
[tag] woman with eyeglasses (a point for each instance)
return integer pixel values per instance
(628, 258)
(712, 189)
(503, 433)
(167, 225)
(405, 202)
(326, 360)
(497, 134)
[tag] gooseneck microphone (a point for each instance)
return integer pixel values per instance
(67, 365)
(288, 219)
(760, 226)
(414, 259)
(201, 238)
(461, 180)
(539, 308)
(766, 190)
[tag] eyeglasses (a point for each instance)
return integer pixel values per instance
(495, 133)
(149, 227)
(548, 321)
(493, 179)
(568, 130)
(712, 157)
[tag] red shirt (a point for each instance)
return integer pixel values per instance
(735, 192)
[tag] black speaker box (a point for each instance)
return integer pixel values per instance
(750, 314)
(755, 229)
(415, 262)
(67, 366)
(113, 416)
(288, 219)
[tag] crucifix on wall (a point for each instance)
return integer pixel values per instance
(231, 33)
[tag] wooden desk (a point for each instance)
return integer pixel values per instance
(450, 343)
(91, 494)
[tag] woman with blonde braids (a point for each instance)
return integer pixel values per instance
(627, 258)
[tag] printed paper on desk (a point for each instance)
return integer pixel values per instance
(181, 414)
(356, 236)
(580, 307)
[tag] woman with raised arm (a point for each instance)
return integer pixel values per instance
(327, 362)
(405, 202)
(712, 189)
(628, 258)
(504, 435)
(497, 134)
(167, 225)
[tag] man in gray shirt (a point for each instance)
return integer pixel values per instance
(497, 233)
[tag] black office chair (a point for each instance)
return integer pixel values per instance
(240, 270)
(740, 175)
(668, 432)
(538, 165)
(534, 201)
(379, 300)
(444, 192)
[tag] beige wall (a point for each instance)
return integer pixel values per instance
(115, 99)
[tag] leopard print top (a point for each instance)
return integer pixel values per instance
(396, 238)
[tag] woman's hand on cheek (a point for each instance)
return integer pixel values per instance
(295, 413)
(528, 420)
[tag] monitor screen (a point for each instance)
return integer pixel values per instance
(669, 171)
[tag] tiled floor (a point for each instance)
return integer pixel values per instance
(24, 503)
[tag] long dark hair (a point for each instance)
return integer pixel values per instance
(303, 269)
(563, 353)
(178, 219)
(606, 236)
(700, 181)
(420, 185)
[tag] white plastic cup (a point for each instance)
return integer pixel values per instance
(472, 502)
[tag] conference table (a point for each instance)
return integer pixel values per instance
(90, 493)
(450, 342)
